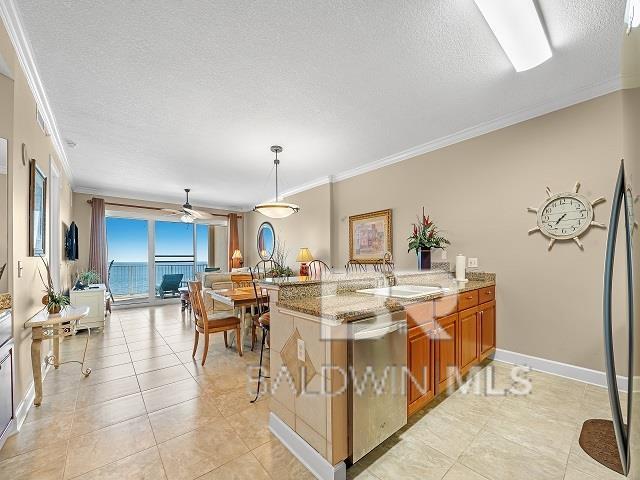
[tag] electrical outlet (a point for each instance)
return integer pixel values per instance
(472, 263)
(20, 268)
(444, 255)
(301, 352)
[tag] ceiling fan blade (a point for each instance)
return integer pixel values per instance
(171, 211)
(198, 214)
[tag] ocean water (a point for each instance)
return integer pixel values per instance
(132, 278)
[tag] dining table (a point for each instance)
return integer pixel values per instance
(239, 299)
(54, 326)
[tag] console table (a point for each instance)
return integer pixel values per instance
(46, 326)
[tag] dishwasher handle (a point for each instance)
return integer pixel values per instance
(378, 332)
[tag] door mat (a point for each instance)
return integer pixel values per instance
(598, 440)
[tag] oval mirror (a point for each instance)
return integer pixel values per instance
(266, 241)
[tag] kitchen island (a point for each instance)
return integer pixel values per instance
(314, 410)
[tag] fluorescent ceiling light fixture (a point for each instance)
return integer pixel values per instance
(517, 26)
(632, 14)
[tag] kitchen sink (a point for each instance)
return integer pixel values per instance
(403, 291)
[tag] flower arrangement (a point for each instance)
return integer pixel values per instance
(426, 235)
(54, 301)
(280, 256)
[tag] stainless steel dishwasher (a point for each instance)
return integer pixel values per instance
(377, 385)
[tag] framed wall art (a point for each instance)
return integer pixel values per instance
(370, 236)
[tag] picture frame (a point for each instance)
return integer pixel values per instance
(370, 236)
(37, 210)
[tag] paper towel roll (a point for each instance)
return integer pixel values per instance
(461, 263)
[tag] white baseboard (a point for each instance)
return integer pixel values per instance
(307, 455)
(573, 372)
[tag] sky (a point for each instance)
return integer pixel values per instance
(127, 239)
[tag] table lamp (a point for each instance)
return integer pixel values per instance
(236, 259)
(304, 256)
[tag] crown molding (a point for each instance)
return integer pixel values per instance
(11, 18)
(579, 96)
(101, 192)
(582, 95)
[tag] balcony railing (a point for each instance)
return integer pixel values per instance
(131, 279)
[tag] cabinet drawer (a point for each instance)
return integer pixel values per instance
(467, 299)
(445, 305)
(487, 294)
(420, 314)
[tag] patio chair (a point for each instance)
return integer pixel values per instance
(170, 284)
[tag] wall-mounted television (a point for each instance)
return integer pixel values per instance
(71, 242)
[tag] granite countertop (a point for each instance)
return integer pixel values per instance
(350, 306)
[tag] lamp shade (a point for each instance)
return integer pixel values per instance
(304, 255)
(237, 255)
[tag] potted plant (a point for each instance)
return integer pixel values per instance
(54, 301)
(87, 278)
(425, 237)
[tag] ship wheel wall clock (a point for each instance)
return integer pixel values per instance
(565, 216)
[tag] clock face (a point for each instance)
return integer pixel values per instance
(565, 216)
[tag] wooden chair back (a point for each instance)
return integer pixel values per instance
(384, 266)
(197, 304)
(317, 268)
(355, 266)
(265, 269)
(262, 304)
(240, 280)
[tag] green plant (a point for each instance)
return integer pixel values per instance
(54, 301)
(426, 235)
(280, 255)
(88, 277)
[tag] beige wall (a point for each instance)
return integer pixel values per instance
(549, 303)
(27, 291)
(82, 217)
(310, 228)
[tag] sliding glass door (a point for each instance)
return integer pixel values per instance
(150, 260)
(128, 254)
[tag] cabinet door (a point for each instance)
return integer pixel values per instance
(420, 384)
(487, 322)
(6, 387)
(447, 350)
(468, 339)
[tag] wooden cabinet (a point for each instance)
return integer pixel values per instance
(454, 331)
(447, 357)
(420, 382)
(469, 351)
(487, 327)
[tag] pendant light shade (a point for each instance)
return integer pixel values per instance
(276, 209)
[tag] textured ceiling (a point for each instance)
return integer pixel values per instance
(162, 95)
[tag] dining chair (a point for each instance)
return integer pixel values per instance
(384, 266)
(317, 268)
(208, 324)
(240, 280)
(355, 266)
(261, 319)
(266, 268)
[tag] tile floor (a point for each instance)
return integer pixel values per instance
(148, 411)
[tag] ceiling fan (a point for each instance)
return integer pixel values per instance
(188, 214)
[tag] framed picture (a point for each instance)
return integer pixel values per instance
(370, 236)
(37, 210)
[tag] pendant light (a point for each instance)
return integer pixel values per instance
(276, 209)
